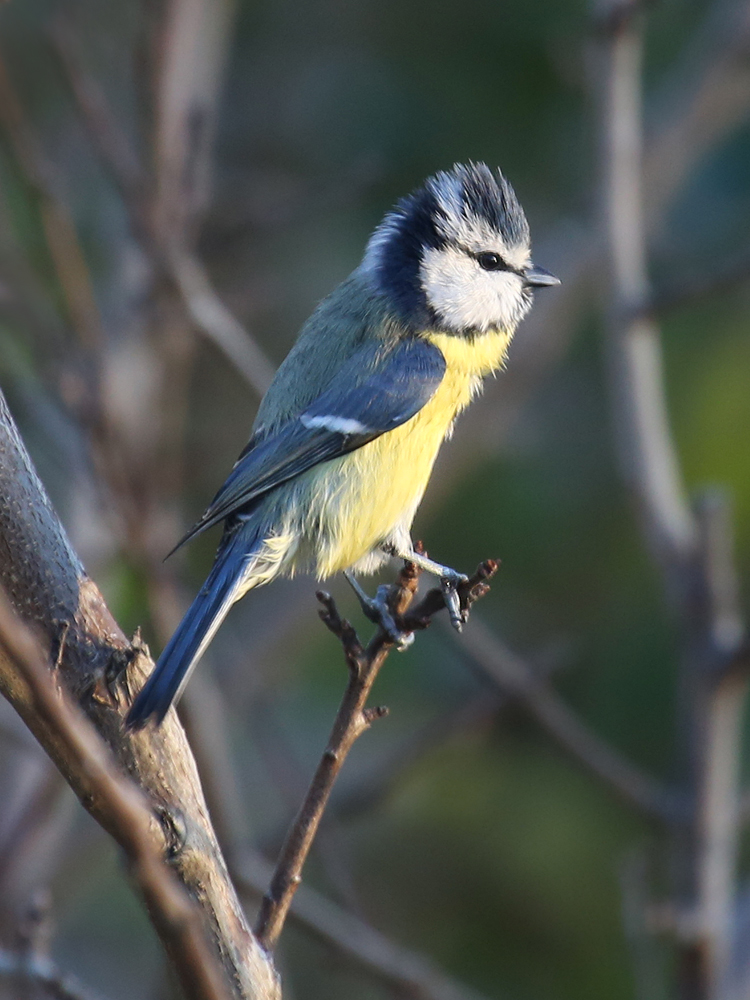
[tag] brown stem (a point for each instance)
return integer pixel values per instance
(405, 972)
(50, 591)
(352, 719)
(170, 906)
(692, 548)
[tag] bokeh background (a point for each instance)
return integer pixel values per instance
(461, 828)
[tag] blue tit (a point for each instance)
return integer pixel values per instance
(346, 436)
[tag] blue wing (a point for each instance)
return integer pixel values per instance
(375, 391)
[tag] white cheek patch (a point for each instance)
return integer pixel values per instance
(337, 425)
(465, 296)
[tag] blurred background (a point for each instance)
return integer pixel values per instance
(180, 183)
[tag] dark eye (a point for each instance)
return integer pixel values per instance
(490, 261)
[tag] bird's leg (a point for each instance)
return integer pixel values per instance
(449, 580)
(377, 610)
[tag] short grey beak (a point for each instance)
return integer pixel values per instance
(539, 278)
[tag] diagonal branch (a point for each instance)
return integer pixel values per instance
(120, 801)
(40, 971)
(50, 591)
(405, 971)
(515, 678)
(352, 719)
(171, 256)
(382, 958)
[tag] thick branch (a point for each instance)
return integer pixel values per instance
(646, 448)
(129, 817)
(694, 553)
(50, 590)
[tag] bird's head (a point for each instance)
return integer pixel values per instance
(456, 254)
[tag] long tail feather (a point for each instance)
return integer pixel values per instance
(226, 582)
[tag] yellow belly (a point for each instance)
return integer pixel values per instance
(385, 479)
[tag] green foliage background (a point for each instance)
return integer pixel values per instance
(492, 853)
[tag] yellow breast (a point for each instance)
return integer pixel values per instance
(361, 498)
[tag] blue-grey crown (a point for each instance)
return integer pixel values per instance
(473, 191)
(427, 218)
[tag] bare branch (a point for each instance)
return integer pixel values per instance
(40, 971)
(127, 811)
(385, 960)
(516, 679)
(206, 310)
(352, 719)
(216, 322)
(694, 553)
(50, 590)
(647, 452)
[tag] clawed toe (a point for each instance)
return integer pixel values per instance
(377, 610)
(449, 585)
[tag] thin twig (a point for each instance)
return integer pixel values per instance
(215, 321)
(173, 257)
(515, 678)
(386, 961)
(41, 971)
(128, 809)
(352, 719)
(64, 247)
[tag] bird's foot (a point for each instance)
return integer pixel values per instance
(378, 611)
(450, 580)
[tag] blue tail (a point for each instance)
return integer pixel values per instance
(195, 631)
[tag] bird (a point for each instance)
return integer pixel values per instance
(345, 438)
